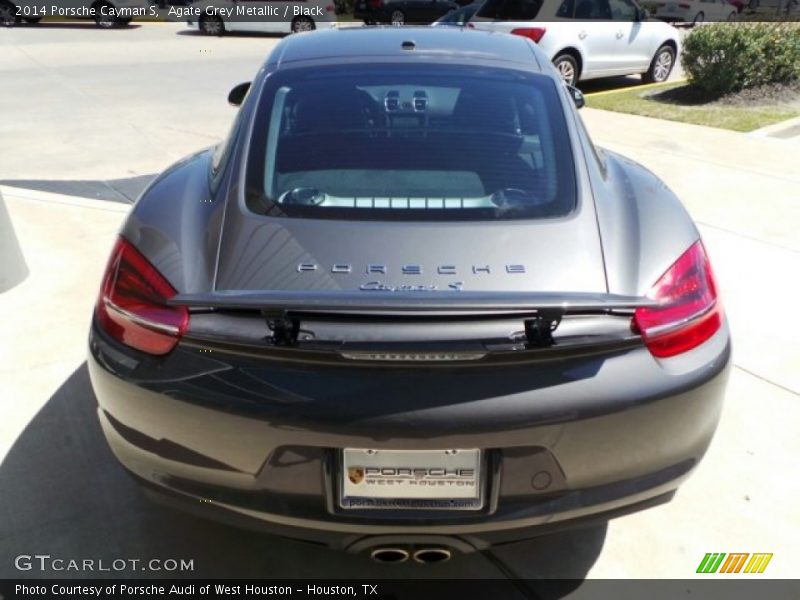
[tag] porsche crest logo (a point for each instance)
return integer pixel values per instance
(355, 475)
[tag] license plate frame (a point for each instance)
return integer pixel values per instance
(421, 480)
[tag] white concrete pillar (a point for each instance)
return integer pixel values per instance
(12, 264)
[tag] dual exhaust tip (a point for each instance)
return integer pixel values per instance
(398, 554)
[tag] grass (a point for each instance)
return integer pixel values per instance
(654, 102)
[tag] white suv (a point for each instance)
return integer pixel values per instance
(217, 17)
(587, 39)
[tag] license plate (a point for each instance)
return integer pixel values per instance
(411, 479)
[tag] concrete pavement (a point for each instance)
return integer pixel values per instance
(101, 114)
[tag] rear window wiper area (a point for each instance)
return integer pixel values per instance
(506, 198)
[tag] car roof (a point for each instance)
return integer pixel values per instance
(412, 44)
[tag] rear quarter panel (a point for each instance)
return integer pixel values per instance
(175, 224)
(644, 227)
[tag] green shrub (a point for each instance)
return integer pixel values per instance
(727, 57)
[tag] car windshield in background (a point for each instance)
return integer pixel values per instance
(427, 142)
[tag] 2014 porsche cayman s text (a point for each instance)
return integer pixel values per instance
(407, 302)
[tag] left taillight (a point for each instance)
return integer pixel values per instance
(532, 33)
(688, 311)
(132, 306)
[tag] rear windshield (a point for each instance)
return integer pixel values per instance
(410, 143)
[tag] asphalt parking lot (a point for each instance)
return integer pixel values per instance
(88, 117)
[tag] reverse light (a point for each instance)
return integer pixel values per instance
(688, 312)
(132, 306)
(532, 33)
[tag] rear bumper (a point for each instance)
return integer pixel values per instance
(257, 443)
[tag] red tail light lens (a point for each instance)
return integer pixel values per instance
(132, 307)
(330, 8)
(375, 4)
(688, 312)
(533, 33)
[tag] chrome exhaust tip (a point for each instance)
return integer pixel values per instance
(432, 555)
(388, 555)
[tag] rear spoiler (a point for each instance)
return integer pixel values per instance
(445, 302)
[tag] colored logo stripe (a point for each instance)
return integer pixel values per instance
(734, 562)
(713, 562)
(758, 563)
(710, 562)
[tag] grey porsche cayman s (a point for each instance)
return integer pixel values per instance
(407, 307)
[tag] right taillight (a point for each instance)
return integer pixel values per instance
(532, 33)
(688, 311)
(375, 4)
(132, 306)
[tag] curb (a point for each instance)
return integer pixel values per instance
(645, 86)
(53, 198)
(788, 130)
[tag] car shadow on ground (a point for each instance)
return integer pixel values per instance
(124, 190)
(592, 86)
(64, 494)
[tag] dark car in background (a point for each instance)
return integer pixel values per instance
(421, 317)
(402, 12)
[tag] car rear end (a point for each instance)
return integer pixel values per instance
(410, 334)
(676, 11)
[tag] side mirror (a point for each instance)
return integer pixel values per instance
(577, 96)
(237, 94)
(642, 14)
